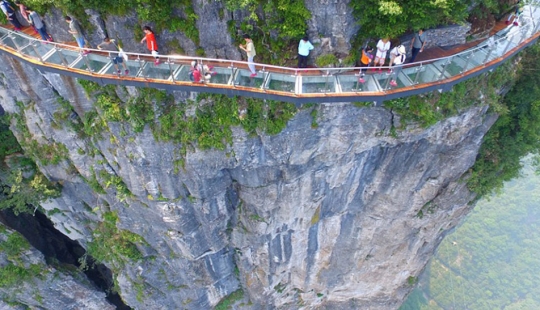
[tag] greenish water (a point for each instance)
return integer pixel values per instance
(492, 261)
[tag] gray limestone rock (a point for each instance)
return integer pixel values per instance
(32, 283)
(340, 216)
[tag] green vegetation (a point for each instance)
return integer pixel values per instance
(14, 246)
(286, 20)
(122, 191)
(162, 13)
(429, 108)
(515, 134)
(113, 245)
(23, 188)
(492, 260)
(11, 274)
(228, 301)
(215, 115)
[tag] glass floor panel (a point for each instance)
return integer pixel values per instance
(242, 78)
(182, 74)
(37, 49)
(423, 74)
(21, 41)
(161, 71)
(7, 41)
(318, 84)
(281, 82)
(351, 83)
(222, 76)
(56, 58)
(383, 79)
(133, 67)
(93, 63)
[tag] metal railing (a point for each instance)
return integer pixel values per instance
(281, 81)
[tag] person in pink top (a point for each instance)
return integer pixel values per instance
(151, 42)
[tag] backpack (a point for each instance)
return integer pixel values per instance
(401, 56)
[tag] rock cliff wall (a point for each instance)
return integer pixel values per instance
(344, 215)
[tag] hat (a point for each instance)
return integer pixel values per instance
(401, 49)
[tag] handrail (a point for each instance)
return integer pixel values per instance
(277, 82)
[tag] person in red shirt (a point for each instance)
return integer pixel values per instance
(151, 42)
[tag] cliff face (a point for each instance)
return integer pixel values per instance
(343, 215)
(29, 282)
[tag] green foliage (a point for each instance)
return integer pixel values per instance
(228, 301)
(389, 18)
(210, 127)
(327, 60)
(122, 191)
(285, 20)
(9, 143)
(22, 194)
(12, 275)
(14, 246)
(514, 134)
(113, 245)
(427, 109)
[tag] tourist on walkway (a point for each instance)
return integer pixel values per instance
(516, 14)
(38, 24)
(303, 51)
(249, 48)
(365, 60)
(417, 44)
(382, 48)
(76, 31)
(10, 14)
(22, 9)
(151, 43)
(110, 45)
(398, 61)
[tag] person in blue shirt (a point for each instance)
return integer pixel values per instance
(303, 51)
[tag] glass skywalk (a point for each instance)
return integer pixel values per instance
(321, 84)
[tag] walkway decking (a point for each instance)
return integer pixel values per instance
(437, 69)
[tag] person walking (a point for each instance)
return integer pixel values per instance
(110, 45)
(417, 44)
(38, 24)
(10, 14)
(76, 31)
(382, 48)
(303, 51)
(151, 43)
(249, 48)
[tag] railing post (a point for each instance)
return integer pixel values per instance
(418, 70)
(492, 45)
(85, 58)
(507, 46)
(388, 79)
(448, 61)
(36, 51)
(469, 56)
(140, 61)
(61, 55)
(11, 35)
(232, 74)
(326, 82)
(170, 69)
